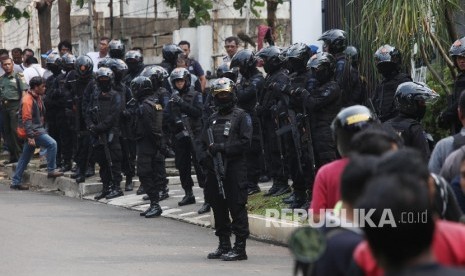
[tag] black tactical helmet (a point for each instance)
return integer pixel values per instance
(180, 73)
(156, 74)
(116, 49)
(297, 57)
(222, 85)
(352, 55)
(104, 78)
(170, 52)
(224, 94)
(323, 66)
(335, 41)
(134, 55)
(349, 121)
(458, 48)
(134, 60)
(84, 66)
(411, 98)
(388, 59)
(103, 62)
(119, 68)
(53, 61)
(68, 61)
(224, 71)
(245, 60)
(271, 57)
(141, 87)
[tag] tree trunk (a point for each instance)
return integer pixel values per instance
(64, 11)
(271, 8)
(44, 12)
(450, 24)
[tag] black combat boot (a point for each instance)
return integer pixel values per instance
(105, 191)
(128, 185)
(154, 210)
(115, 191)
(189, 198)
(299, 200)
(80, 179)
(141, 190)
(237, 253)
(253, 189)
(289, 199)
(90, 171)
(283, 189)
(223, 248)
(67, 166)
(264, 178)
(278, 188)
(76, 174)
(164, 193)
(204, 209)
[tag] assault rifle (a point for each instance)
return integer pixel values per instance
(218, 165)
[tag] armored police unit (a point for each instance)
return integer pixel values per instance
(129, 117)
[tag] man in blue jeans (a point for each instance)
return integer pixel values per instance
(32, 119)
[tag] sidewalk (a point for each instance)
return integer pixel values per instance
(261, 228)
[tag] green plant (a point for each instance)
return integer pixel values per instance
(430, 120)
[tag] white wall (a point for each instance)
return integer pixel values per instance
(201, 40)
(307, 22)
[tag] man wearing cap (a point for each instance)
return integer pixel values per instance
(12, 86)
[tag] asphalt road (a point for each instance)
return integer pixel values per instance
(48, 234)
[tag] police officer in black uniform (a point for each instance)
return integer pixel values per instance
(135, 63)
(184, 118)
(388, 60)
(170, 53)
(348, 78)
(102, 120)
(65, 115)
(249, 90)
(232, 132)
(158, 76)
(410, 100)
(116, 49)
(149, 140)
(294, 114)
(271, 121)
(448, 119)
(323, 104)
(55, 111)
(120, 69)
(77, 82)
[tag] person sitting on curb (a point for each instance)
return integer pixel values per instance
(31, 117)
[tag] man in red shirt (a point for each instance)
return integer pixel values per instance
(325, 192)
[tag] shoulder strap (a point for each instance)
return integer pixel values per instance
(18, 86)
(459, 140)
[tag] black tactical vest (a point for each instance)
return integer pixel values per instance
(226, 127)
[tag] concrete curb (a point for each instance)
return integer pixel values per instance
(262, 228)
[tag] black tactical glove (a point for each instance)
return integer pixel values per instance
(215, 148)
(92, 129)
(175, 98)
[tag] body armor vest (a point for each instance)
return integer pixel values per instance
(226, 127)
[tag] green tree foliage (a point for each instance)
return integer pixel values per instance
(424, 25)
(11, 12)
(404, 24)
(200, 10)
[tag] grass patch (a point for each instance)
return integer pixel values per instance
(257, 203)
